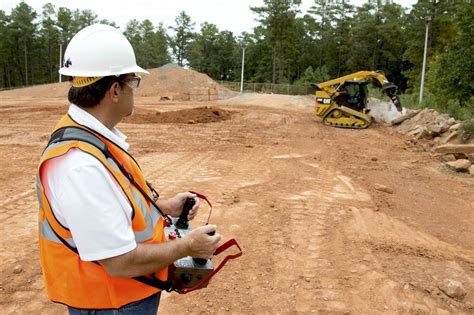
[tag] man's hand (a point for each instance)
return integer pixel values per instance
(200, 244)
(148, 258)
(174, 206)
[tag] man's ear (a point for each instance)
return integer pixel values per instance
(114, 92)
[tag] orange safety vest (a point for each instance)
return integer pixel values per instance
(82, 284)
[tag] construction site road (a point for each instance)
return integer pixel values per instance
(331, 221)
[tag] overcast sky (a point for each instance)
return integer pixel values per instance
(232, 15)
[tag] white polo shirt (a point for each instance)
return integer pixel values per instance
(86, 199)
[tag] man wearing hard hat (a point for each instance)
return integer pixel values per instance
(102, 246)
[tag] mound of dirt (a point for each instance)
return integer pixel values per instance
(197, 115)
(177, 83)
(169, 82)
(53, 90)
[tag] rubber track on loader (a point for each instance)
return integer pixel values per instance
(344, 117)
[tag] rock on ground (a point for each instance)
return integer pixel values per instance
(448, 158)
(453, 289)
(459, 165)
(455, 148)
(383, 188)
(17, 269)
(455, 127)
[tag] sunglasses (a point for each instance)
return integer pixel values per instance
(132, 82)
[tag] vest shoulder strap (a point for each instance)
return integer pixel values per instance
(75, 133)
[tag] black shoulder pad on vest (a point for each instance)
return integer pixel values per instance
(75, 133)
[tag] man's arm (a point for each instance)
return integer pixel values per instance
(98, 216)
(149, 258)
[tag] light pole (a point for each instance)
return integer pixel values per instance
(242, 73)
(60, 59)
(427, 22)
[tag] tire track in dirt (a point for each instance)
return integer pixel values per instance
(18, 235)
(428, 260)
(235, 218)
(168, 172)
(380, 231)
(10, 203)
(366, 245)
(211, 173)
(15, 215)
(314, 287)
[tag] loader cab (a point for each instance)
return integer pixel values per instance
(353, 94)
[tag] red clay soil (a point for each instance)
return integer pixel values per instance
(205, 114)
(304, 200)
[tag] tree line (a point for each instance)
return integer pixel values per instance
(331, 39)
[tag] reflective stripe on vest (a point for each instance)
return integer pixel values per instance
(68, 279)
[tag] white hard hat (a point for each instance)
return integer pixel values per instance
(99, 50)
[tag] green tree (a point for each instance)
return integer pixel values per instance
(442, 28)
(307, 48)
(145, 50)
(49, 39)
(5, 50)
(226, 45)
(160, 46)
(183, 35)
(333, 18)
(278, 25)
(22, 28)
(377, 41)
(451, 77)
(212, 52)
(107, 22)
(203, 50)
(132, 32)
(150, 43)
(81, 19)
(313, 76)
(259, 57)
(392, 44)
(364, 39)
(338, 42)
(64, 23)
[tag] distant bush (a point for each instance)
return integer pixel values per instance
(309, 76)
(467, 130)
(451, 107)
(461, 112)
(268, 88)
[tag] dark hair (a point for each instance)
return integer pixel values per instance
(91, 95)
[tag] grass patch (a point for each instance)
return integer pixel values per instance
(467, 130)
(452, 107)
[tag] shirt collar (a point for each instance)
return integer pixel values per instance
(86, 119)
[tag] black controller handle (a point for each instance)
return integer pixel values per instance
(200, 261)
(203, 261)
(182, 222)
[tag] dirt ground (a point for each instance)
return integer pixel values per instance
(299, 197)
